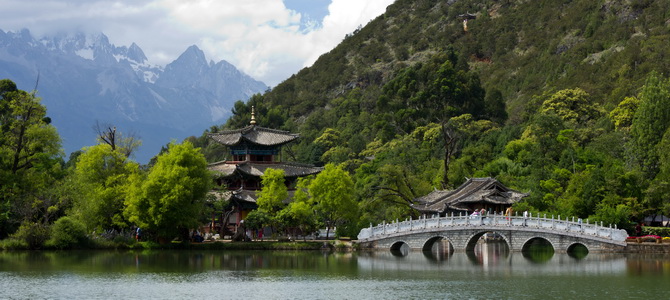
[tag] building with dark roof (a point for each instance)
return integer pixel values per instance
(254, 149)
(475, 194)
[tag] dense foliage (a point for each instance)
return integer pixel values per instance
(171, 199)
(566, 100)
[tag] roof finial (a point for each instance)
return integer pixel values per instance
(253, 115)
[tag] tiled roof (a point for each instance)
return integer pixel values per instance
(224, 169)
(251, 196)
(474, 190)
(254, 134)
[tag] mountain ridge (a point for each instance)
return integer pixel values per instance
(84, 79)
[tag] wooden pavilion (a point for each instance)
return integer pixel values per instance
(253, 149)
(475, 194)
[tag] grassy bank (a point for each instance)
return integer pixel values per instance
(12, 244)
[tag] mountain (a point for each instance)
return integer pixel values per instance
(566, 100)
(83, 79)
(517, 50)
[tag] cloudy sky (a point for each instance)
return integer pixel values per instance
(267, 39)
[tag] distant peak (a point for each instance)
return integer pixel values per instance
(193, 55)
(135, 53)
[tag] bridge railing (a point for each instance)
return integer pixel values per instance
(464, 221)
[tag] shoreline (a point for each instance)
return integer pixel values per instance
(275, 245)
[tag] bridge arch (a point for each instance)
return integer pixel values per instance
(578, 250)
(472, 240)
(400, 248)
(429, 244)
(537, 240)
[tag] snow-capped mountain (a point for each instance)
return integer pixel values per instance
(83, 79)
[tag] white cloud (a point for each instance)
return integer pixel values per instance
(261, 37)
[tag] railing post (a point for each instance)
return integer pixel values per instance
(609, 235)
(384, 224)
(553, 222)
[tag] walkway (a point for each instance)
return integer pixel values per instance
(463, 232)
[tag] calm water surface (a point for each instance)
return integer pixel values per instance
(489, 273)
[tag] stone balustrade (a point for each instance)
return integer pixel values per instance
(577, 229)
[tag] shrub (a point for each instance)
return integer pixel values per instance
(13, 244)
(32, 234)
(67, 233)
(662, 231)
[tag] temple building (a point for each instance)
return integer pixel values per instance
(475, 194)
(253, 149)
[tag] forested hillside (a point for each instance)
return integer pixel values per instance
(566, 100)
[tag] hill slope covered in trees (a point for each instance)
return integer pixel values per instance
(566, 100)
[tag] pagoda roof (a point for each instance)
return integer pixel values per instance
(243, 196)
(253, 134)
(225, 169)
(474, 190)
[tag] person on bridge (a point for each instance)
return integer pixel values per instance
(525, 217)
(509, 212)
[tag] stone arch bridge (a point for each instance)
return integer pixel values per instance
(463, 232)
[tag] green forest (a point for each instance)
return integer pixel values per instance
(568, 101)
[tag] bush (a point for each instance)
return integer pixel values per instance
(67, 233)
(661, 231)
(32, 234)
(13, 244)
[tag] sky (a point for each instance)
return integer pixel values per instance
(267, 39)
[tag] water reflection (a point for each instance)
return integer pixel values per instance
(578, 251)
(538, 250)
(324, 275)
(400, 249)
(438, 250)
(489, 253)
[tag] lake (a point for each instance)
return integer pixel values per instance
(489, 272)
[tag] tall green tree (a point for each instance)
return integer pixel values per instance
(100, 178)
(171, 199)
(273, 192)
(651, 120)
(332, 193)
(30, 157)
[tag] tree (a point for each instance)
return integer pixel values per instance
(651, 120)
(571, 105)
(257, 220)
(273, 192)
(107, 134)
(27, 135)
(29, 160)
(300, 212)
(623, 114)
(332, 192)
(100, 177)
(171, 199)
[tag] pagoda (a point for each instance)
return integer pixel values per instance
(253, 150)
(476, 193)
